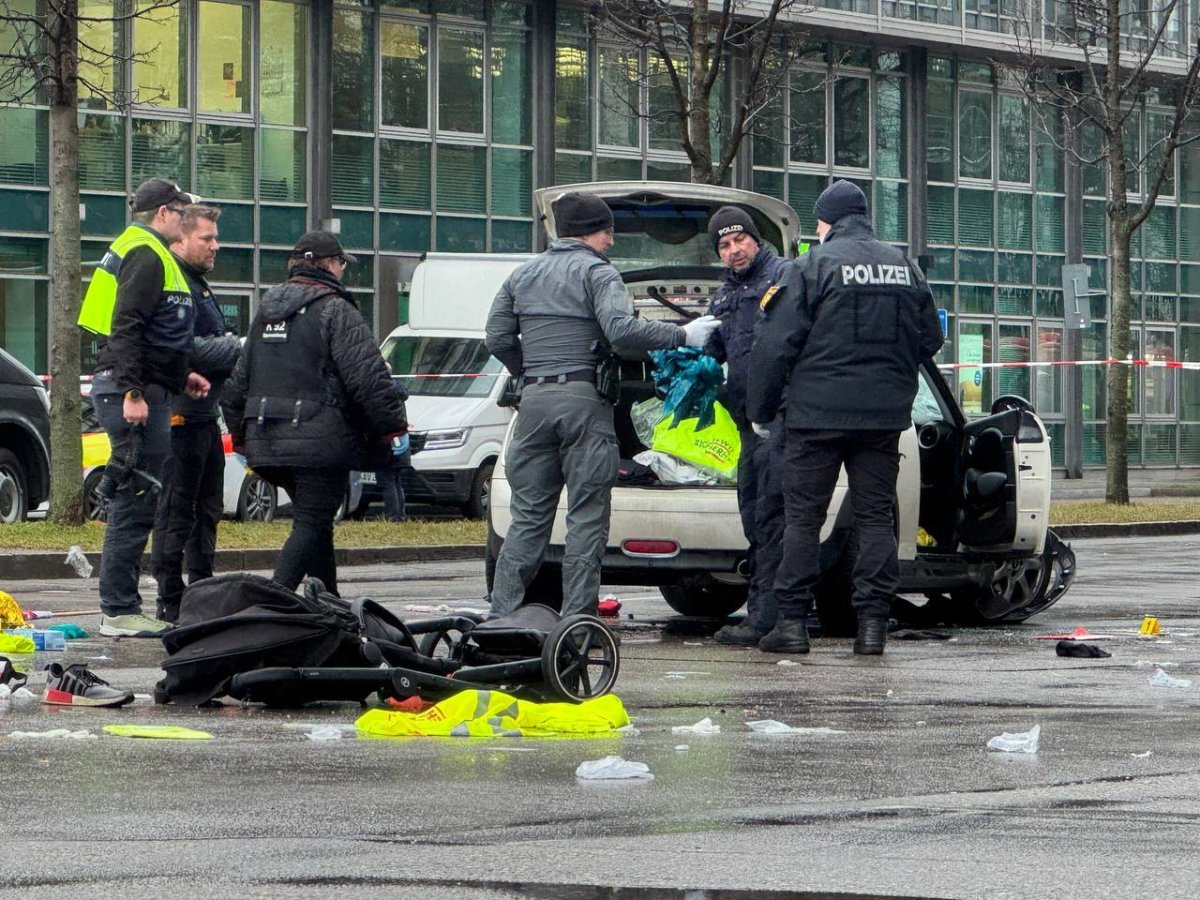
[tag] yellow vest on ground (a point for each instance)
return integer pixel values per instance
(101, 298)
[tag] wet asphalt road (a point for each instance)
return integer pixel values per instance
(906, 802)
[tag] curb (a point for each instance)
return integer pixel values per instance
(1126, 529)
(18, 566)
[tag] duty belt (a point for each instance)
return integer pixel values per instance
(565, 378)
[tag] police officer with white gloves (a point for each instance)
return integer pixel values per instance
(554, 321)
(847, 331)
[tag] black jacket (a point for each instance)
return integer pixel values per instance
(151, 337)
(851, 323)
(214, 353)
(311, 389)
(736, 304)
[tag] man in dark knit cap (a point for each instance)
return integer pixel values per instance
(554, 321)
(752, 269)
(847, 331)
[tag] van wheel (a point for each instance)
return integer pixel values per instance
(703, 596)
(14, 496)
(478, 500)
(95, 507)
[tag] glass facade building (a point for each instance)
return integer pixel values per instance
(416, 125)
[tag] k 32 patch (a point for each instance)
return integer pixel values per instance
(275, 332)
(768, 296)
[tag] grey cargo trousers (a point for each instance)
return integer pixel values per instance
(564, 436)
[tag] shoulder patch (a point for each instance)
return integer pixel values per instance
(767, 297)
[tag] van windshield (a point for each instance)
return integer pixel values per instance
(442, 366)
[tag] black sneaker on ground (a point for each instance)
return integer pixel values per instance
(77, 685)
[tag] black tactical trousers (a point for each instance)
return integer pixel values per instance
(760, 502)
(814, 459)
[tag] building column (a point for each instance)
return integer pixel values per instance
(320, 131)
(918, 193)
(544, 68)
(1073, 337)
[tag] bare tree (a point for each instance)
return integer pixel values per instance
(688, 46)
(43, 58)
(1088, 67)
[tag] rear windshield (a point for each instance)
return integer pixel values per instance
(670, 233)
(442, 366)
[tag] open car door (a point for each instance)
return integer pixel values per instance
(1005, 480)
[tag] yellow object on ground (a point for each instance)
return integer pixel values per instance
(161, 732)
(493, 714)
(925, 539)
(16, 643)
(1150, 627)
(10, 612)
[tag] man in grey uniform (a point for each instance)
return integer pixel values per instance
(554, 320)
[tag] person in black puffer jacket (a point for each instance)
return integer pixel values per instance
(752, 270)
(310, 400)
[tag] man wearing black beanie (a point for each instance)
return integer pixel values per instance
(555, 323)
(846, 332)
(752, 269)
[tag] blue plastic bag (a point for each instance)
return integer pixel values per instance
(689, 380)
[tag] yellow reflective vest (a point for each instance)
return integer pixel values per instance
(101, 298)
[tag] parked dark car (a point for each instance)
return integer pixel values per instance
(24, 440)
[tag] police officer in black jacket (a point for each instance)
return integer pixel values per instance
(310, 399)
(846, 332)
(752, 269)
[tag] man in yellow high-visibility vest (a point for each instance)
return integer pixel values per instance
(144, 363)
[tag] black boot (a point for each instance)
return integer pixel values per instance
(167, 611)
(788, 636)
(872, 635)
(748, 635)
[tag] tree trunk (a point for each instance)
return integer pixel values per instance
(66, 455)
(1116, 437)
(698, 122)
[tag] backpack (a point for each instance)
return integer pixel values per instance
(238, 622)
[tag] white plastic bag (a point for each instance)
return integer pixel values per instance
(704, 726)
(671, 470)
(1017, 742)
(771, 726)
(645, 416)
(77, 561)
(1162, 679)
(611, 767)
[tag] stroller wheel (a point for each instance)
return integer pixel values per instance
(580, 659)
(442, 644)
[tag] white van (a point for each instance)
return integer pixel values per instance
(452, 381)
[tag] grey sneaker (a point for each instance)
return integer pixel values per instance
(132, 625)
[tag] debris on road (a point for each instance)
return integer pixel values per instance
(1017, 742)
(704, 726)
(1079, 634)
(158, 732)
(53, 733)
(612, 767)
(1079, 650)
(771, 726)
(79, 562)
(1163, 680)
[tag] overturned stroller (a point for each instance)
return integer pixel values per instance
(246, 637)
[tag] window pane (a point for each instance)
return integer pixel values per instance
(25, 150)
(851, 120)
(511, 237)
(24, 255)
(610, 168)
(23, 319)
(1014, 268)
(1050, 223)
(461, 176)
(1014, 138)
(1015, 220)
(1160, 384)
(102, 153)
(891, 210)
(975, 135)
(401, 232)
(940, 222)
(571, 119)
(161, 150)
(512, 182)
(1158, 233)
(461, 235)
(225, 162)
(1049, 397)
(282, 163)
(890, 127)
(105, 215)
(1095, 227)
(100, 46)
(223, 69)
(976, 265)
(358, 229)
(940, 122)
(353, 170)
(469, 9)
(1092, 156)
(282, 224)
(282, 62)
(974, 384)
(512, 114)
(975, 218)
(353, 65)
(770, 183)
(807, 109)
(460, 80)
(160, 60)
(769, 135)
(663, 105)
(27, 210)
(618, 100)
(803, 191)
(1048, 156)
(572, 168)
(404, 54)
(665, 171)
(510, 12)
(13, 34)
(237, 223)
(1014, 348)
(404, 174)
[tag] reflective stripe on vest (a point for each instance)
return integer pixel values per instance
(101, 298)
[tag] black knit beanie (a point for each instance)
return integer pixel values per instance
(840, 199)
(577, 214)
(730, 220)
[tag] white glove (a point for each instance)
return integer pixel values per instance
(696, 332)
(761, 430)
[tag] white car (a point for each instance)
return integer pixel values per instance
(972, 498)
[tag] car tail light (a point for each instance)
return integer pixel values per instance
(227, 443)
(664, 549)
